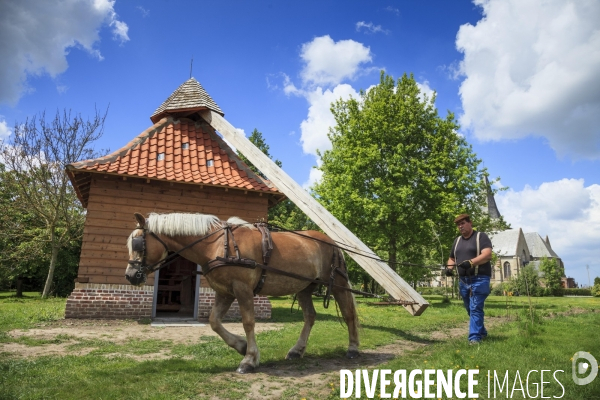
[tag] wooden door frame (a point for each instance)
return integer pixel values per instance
(196, 295)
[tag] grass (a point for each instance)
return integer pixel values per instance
(204, 369)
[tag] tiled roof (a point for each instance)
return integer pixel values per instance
(190, 96)
(538, 246)
(505, 243)
(179, 151)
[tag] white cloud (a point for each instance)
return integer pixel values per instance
(565, 210)
(426, 91)
(314, 177)
(315, 127)
(37, 36)
(329, 63)
(392, 10)
(531, 68)
(370, 28)
(4, 130)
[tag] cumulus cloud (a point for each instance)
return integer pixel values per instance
(329, 63)
(369, 27)
(37, 36)
(426, 91)
(4, 130)
(315, 127)
(531, 68)
(565, 210)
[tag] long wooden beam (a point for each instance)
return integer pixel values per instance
(379, 270)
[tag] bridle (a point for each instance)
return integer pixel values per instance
(138, 244)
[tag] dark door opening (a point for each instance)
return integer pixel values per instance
(176, 290)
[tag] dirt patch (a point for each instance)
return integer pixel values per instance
(69, 332)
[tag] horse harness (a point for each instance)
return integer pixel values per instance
(338, 263)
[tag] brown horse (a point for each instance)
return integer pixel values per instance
(311, 256)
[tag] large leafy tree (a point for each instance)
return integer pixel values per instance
(398, 173)
(36, 155)
(285, 214)
(552, 273)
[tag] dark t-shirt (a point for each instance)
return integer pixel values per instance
(467, 250)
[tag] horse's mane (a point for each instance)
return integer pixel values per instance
(183, 224)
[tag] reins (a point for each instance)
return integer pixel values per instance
(227, 260)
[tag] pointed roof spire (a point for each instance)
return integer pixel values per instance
(492, 209)
(188, 97)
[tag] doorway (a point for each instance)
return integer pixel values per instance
(176, 289)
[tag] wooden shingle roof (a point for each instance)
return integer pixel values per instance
(189, 97)
(183, 150)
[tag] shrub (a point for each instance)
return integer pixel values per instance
(596, 289)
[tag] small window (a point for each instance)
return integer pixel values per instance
(210, 163)
(161, 156)
(185, 146)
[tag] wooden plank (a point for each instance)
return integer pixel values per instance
(379, 270)
(143, 189)
(104, 203)
(125, 196)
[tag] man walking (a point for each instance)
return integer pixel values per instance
(471, 254)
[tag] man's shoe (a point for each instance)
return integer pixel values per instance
(474, 342)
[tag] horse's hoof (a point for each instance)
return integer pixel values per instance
(245, 369)
(293, 355)
(352, 354)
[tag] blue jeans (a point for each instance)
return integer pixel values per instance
(474, 290)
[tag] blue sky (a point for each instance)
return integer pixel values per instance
(521, 77)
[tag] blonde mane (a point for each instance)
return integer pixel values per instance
(182, 224)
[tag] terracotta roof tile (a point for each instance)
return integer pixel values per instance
(139, 158)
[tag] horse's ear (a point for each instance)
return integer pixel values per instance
(140, 219)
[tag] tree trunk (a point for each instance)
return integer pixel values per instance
(55, 248)
(19, 286)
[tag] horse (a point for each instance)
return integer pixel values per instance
(299, 262)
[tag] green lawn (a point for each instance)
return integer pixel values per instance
(562, 326)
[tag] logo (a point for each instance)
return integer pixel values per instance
(582, 367)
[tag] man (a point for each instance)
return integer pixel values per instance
(474, 272)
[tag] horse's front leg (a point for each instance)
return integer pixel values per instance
(245, 299)
(308, 310)
(222, 304)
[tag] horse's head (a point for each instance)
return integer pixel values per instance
(145, 253)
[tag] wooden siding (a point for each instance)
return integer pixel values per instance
(110, 220)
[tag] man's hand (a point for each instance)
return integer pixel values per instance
(465, 268)
(449, 272)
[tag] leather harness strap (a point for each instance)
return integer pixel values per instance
(338, 264)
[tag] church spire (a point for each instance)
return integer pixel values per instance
(492, 209)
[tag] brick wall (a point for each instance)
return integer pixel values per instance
(94, 300)
(262, 306)
(109, 301)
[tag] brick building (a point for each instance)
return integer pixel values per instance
(179, 164)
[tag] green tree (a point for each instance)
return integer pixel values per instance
(528, 281)
(36, 155)
(552, 274)
(285, 214)
(398, 174)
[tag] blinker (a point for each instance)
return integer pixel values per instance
(137, 244)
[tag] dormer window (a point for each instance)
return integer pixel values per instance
(185, 146)
(210, 163)
(160, 157)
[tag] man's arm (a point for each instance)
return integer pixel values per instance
(450, 263)
(485, 256)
